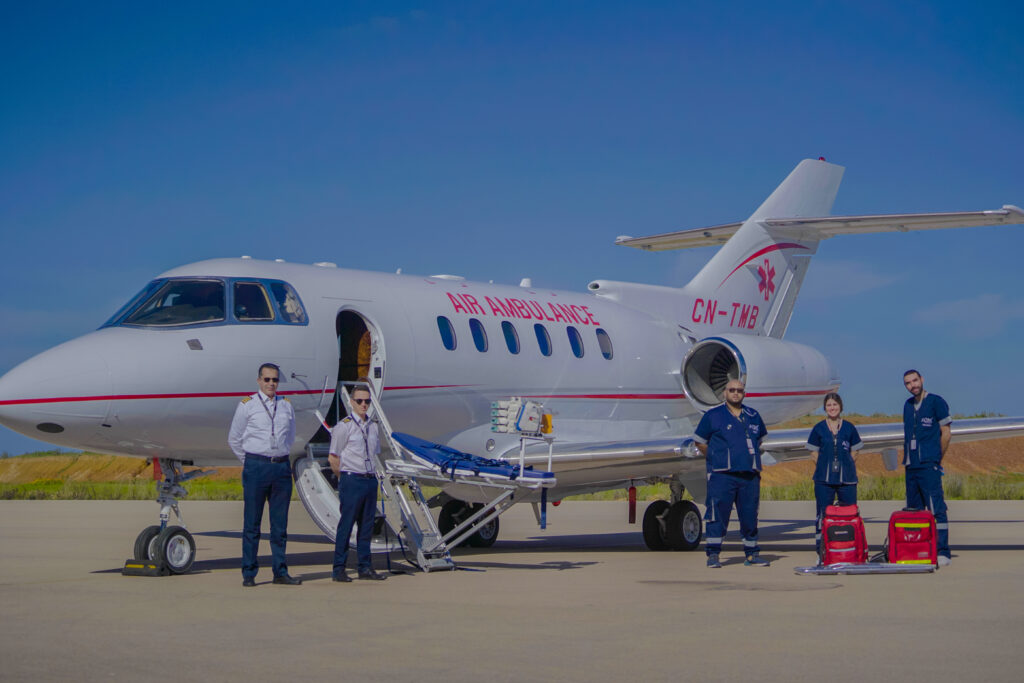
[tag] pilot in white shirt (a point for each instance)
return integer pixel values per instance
(262, 433)
(354, 442)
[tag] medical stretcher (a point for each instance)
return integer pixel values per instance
(407, 463)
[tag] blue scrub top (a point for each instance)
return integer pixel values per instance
(726, 437)
(922, 430)
(835, 454)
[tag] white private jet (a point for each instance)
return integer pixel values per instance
(627, 369)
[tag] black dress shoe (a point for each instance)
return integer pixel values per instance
(371, 576)
(249, 583)
(287, 580)
(344, 578)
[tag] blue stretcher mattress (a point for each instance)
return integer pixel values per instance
(453, 462)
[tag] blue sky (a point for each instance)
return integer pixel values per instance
(498, 140)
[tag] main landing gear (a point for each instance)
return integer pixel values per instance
(673, 526)
(454, 512)
(169, 546)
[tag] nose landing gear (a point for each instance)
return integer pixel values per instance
(170, 547)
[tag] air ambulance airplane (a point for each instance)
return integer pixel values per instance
(627, 369)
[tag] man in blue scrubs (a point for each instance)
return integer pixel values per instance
(926, 435)
(729, 437)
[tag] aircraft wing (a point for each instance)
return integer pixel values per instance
(627, 462)
(828, 226)
(781, 444)
(791, 444)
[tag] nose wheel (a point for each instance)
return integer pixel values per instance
(169, 546)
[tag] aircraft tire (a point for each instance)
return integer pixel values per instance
(683, 526)
(176, 549)
(145, 546)
(654, 536)
(486, 535)
(452, 513)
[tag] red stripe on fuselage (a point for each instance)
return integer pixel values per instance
(237, 394)
(146, 397)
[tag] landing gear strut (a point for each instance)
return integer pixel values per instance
(169, 546)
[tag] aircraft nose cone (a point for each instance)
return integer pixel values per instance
(58, 396)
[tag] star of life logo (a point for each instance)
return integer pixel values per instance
(766, 273)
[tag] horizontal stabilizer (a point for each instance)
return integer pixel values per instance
(828, 226)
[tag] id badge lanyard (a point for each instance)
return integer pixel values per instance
(272, 416)
(746, 433)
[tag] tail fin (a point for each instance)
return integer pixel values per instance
(754, 279)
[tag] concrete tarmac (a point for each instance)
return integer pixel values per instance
(581, 601)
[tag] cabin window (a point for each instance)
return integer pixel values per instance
(251, 302)
(605, 342)
(476, 328)
(543, 339)
(511, 336)
(180, 302)
(575, 341)
(288, 303)
(444, 325)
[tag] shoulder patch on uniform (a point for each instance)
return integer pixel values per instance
(246, 399)
(346, 419)
(285, 398)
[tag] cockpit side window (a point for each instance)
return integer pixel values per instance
(251, 302)
(180, 302)
(288, 302)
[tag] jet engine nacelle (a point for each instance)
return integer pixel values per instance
(780, 376)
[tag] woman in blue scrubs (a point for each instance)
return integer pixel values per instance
(836, 443)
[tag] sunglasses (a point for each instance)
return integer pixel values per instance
(361, 401)
(736, 391)
(270, 379)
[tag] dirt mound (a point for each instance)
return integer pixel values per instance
(994, 456)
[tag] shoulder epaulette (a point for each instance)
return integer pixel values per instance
(346, 419)
(285, 398)
(246, 399)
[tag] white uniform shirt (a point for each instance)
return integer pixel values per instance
(353, 442)
(263, 426)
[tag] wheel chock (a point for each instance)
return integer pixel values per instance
(144, 568)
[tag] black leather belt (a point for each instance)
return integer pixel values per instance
(361, 475)
(279, 458)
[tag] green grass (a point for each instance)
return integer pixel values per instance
(957, 487)
(139, 489)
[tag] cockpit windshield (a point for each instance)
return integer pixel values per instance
(176, 302)
(180, 302)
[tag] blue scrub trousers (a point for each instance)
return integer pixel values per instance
(263, 481)
(924, 491)
(724, 490)
(824, 495)
(357, 496)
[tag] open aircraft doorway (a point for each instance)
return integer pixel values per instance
(360, 355)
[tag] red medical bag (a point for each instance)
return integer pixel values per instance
(842, 535)
(912, 538)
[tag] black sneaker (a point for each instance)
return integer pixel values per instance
(342, 578)
(713, 562)
(371, 576)
(249, 582)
